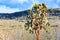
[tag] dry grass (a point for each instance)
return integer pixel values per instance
(16, 27)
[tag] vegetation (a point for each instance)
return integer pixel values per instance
(37, 19)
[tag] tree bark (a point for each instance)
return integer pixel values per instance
(37, 33)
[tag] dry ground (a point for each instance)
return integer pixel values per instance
(14, 29)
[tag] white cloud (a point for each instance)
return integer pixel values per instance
(18, 1)
(13, 1)
(48, 0)
(5, 9)
(35, 1)
(58, 0)
(56, 6)
(22, 1)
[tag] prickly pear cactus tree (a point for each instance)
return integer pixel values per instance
(37, 19)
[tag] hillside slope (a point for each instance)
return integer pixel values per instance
(52, 12)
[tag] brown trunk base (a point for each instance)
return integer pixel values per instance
(37, 33)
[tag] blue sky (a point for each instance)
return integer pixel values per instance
(9, 6)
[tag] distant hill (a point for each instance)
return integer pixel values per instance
(52, 12)
(13, 15)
